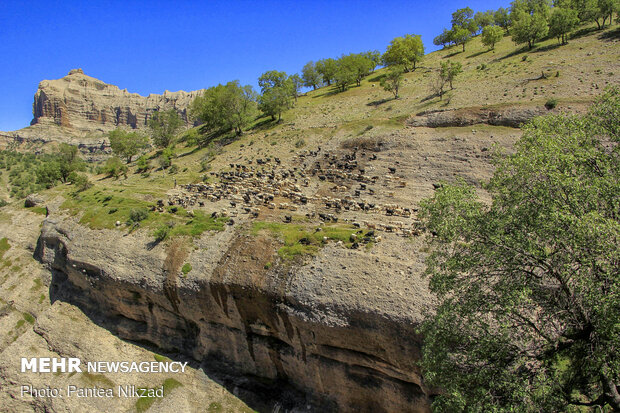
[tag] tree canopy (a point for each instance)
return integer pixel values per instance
(164, 126)
(528, 286)
(404, 51)
(310, 76)
(491, 35)
(562, 22)
(225, 107)
(127, 144)
(528, 28)
(277, 91)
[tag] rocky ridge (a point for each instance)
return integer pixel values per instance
(79, 109)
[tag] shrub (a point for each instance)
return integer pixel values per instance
(80, 181)
(551, 103)
(138, 214)
(143, 164)
(187, 267)
(115, 167)
(173, 169)
(300, 143)
(162, 232)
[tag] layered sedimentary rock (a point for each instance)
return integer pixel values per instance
(80, 110)
(81, 102)
(324, 338)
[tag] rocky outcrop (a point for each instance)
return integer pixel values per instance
(83, 103)
(80, 110)
(316, 337)
(512, 116)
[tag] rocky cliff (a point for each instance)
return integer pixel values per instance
(80, 109)
(321, 337)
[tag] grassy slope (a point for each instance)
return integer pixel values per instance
(587, 64)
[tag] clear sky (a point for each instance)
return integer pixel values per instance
(152, 46)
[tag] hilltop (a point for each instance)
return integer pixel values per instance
(285, 263)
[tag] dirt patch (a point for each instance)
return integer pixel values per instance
(375, 144)
(176, 254)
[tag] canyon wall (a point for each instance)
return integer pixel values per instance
(285, 329)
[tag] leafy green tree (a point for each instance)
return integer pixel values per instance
(491, 35)
(464, 18)
(528, 28)
(528, 286)
(127, 144)
(460, 36)
(68, 160)
(165, 158)
(484, 19)
(164, 127)
(375, 57)
(562, 22)
(296, 83)
(114, 167)
(445, 38)
(327, 69)
(310, 76)
(346, 72)
(277, 91)
(226, 107)
(404, 51)
(531, 7)
(392, 79)
(449, 71)
(502, 18)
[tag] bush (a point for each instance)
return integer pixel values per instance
(551, 103)
(162, 232)
(300, 143)
(80, 181)
(174, 169)
(143, 164)
(138, 214)
(187, 267)
(115, 167)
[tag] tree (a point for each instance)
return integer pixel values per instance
(114, 167)
(346, 72)
(464, 18)
(528, 286)
(327, 69)
(127, 144)
(310, 76)
(527, 28)
(164, 126)
(562, 22)
(484, 19)
(445, 38)
(404, 51)
(460, 36)
(492, 35)
(502, 18)
(276, 89)
(225, 107)
(391, 81)
(375, 57)
(296, 83)
(450, 70)
(68, 161)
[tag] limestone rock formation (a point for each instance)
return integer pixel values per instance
(354, 350)
(79, 109)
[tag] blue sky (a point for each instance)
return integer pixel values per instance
(152, 46)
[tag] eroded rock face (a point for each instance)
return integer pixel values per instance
(330, 343)
(83, 103)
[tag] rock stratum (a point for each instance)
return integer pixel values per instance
(79, 109)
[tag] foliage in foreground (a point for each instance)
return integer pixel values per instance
(529, 287)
